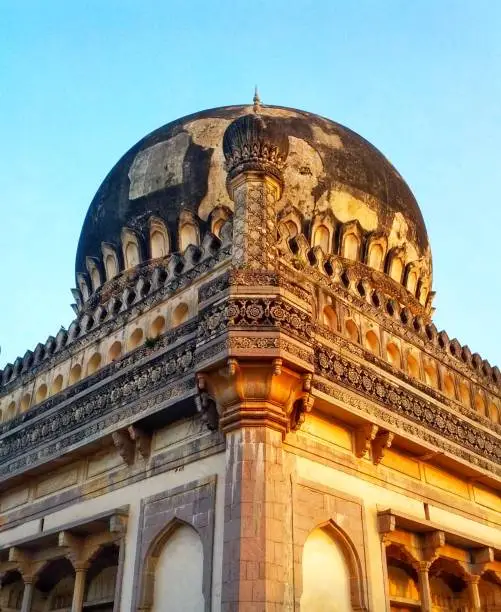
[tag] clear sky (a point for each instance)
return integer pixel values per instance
(82, 81)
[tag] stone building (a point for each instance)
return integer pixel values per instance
(252, 409)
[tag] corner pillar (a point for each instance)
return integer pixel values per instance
(424, 586)
(257, 402)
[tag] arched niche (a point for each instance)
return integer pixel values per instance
(322, 238)
(493, 412)
(135, 339)
(351, 241)
(352, 330)
(130, 248)
(372, 342)
(11, 591)
(159, 239)
(464, 393)
(11, 411)
(41, 393)
(331, 572)
(430, 373)
(411, 279)
(54, 586)
(157, 326)
(94, 363)
(84, 288)
(25, 402)
(189, 232)
(448, 385)
(376, 252)
(94, 274)
(395, 265)
(173, 572)
(330, 317)
(75, 374)
(218, 218)
(403, 584)
(180, 314)
(479, 403)
(413, 365)
(393, 355)
(115, 351)
(110, 260)
(57, 384)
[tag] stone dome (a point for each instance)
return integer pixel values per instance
(179, 172)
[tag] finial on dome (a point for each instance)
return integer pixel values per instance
(257, 101)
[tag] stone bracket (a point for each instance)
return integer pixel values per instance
(364, 436)
(381, 442)
(129, 439)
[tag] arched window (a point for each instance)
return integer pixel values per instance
(372, 342)
(130, 248)
(321, 238)
(94, 363)
(331, 576)
(159, 240)
(179, 573)
(135, 339)
(41, 393)
(330, 318)
(351, 246)
(157, 327)
(115, 351)
(180, 314)
(57, 384)
(75, 374)
(352, 330)
(393, 354)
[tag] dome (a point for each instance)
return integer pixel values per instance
(178, 174)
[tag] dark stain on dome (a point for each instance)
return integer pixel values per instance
(357, 166)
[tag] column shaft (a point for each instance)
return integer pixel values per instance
(424, 588)
(256, 558)
(474, 593)
(79, 589)
(27, 596)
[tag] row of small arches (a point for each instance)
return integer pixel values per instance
(159, 245)
(416, 365)
(96, 361)
(349, 242)
(427, 331)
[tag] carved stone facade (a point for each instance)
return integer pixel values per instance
(253, 409)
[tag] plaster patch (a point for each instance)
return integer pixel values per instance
(324, 138)
(348, 208)
(277, 112)
(399, 237)
(158, 166)
(208, 133)
(303, 171)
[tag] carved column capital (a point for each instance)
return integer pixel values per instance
(255, 393)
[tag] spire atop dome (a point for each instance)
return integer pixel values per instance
(257, 100)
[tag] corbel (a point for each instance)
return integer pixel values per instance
(206, 405)
(386, 523)
(381, 442)
(141, 439)
(124, 445)
(118, 524)
(364, 436)
(303, 404)
(433, 543)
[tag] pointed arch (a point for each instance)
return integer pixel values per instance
(110, 260)
(218, 218)
(189, 232)
(130, 249)
(159, 239)
(328, 547)
(395, 264)
(83, 286)
(151, 588)
(412, 278)
(351, 241)
(93, 270)
(376, 252)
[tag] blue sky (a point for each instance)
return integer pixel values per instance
(82, 81)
